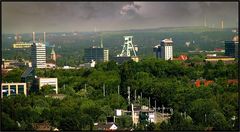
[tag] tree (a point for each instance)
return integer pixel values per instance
(7, 123)
(46, 89)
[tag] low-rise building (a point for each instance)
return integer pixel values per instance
(48, 81)
(106, 127)
(13, 89)
(217, 58)
(50, 65)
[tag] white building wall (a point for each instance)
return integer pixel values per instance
(39, 55)
(167, 52)
(106, 55)
(49, 81)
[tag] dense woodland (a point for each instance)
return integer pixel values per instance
(170, 83)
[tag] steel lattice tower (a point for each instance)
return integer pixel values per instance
(128, 47)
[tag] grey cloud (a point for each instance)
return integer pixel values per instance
(83, 16)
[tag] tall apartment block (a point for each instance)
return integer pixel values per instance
(164, 50)
(231, 47)
(38, 55)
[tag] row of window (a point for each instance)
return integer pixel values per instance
(13, 90)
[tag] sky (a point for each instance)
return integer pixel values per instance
(26, 17)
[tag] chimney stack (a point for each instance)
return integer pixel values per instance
(205, 21)
(44, 37)
(33, 37)
(222, 24)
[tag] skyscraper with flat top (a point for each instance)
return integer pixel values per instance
(164, 50)
(97, 54)
(38, 55)
(231, 47)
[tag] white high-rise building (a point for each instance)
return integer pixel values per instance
(166, 49)
(38, 55)
(106, 55)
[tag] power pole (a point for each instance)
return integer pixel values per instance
(149, 105)
(118, 90)
(103, 90)
(141, 99)
(205, 118)
(155, 105)
(118, 94)
(128, 95)
(135, 95)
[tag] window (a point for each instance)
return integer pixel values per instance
(12, 89)
(5, 90)
(21, 89)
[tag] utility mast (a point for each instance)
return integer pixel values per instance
(118, 90)
(128, 95)
(104, 90)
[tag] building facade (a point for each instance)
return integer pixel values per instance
(231, 47)
(48, 81)
(97, 54)
(157, 50)
(164, 50)
(22, 45)
(106, 55)
(38, 55)
(13, 89)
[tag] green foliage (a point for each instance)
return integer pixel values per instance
(124, 122)
(13, 75)
(170, 83)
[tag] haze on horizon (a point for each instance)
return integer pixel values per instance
(26, 17)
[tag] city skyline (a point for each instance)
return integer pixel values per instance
(26, 17)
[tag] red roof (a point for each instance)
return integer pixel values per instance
(218, 49)
(197, 83)
(182, 57)
(206, 82)
(232, 81)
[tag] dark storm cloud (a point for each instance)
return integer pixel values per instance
(84, 16)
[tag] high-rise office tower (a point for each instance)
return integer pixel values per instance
(38, 55)
(166, 49)
(96, 54)
(106, 55)
(231, 47)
